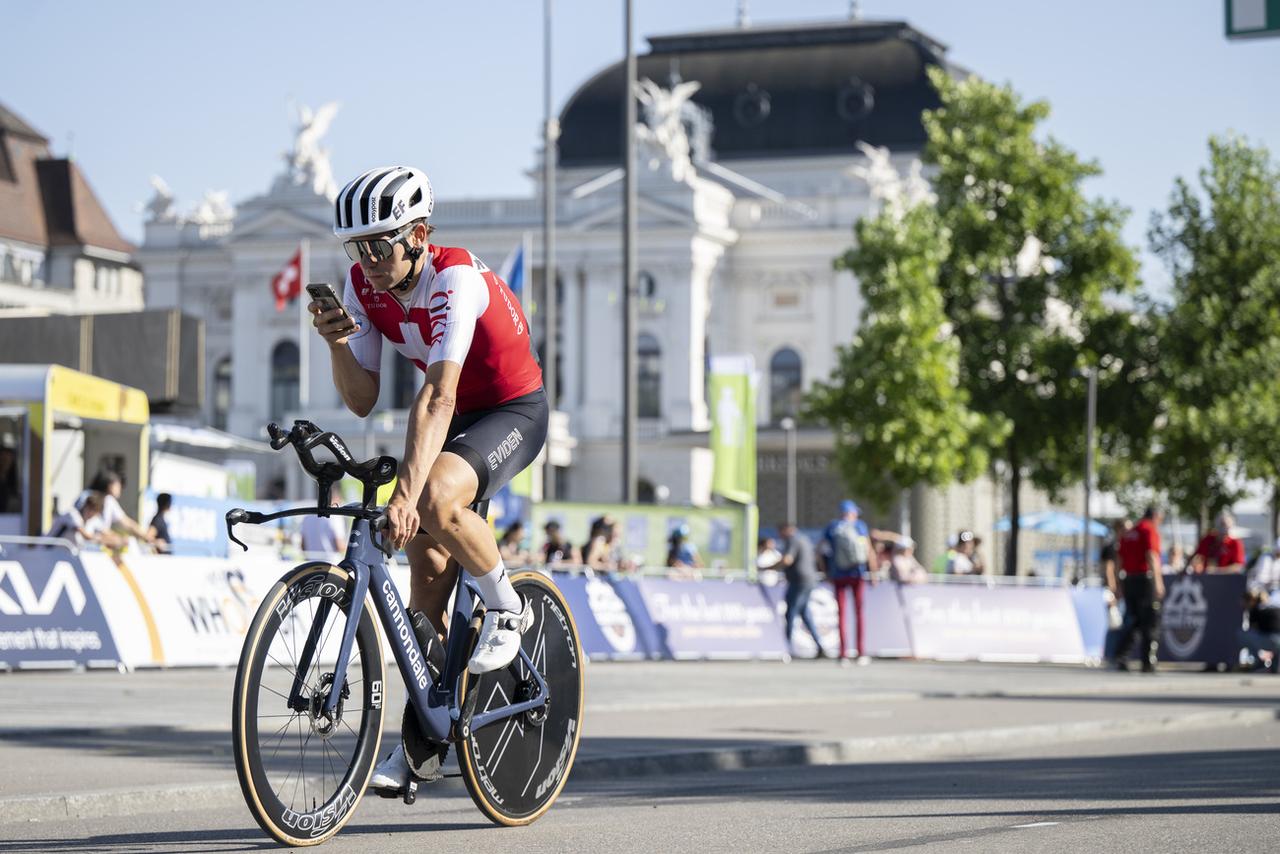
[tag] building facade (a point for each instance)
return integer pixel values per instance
(747, 191)
(59, 251)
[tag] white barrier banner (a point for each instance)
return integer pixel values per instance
(186, 612)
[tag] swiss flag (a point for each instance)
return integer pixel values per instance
(287, 284)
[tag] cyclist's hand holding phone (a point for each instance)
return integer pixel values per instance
(328, 316)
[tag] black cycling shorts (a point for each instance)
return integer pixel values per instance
(501, 442)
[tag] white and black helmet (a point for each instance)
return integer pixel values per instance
(382, 200)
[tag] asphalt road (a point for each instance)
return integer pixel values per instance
(1213, 791)
(947, 757)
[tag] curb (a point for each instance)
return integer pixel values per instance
(115, 803)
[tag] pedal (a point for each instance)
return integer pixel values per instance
(411, 792)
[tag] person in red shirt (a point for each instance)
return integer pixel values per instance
(1218, 550)
(1143, 589)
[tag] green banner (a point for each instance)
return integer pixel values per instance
(717, 532)
(732, 396)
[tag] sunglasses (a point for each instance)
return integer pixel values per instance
(378, 249)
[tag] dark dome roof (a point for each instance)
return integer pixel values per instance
(790, 91)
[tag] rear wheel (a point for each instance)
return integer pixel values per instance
(515, 768)
(303, 771)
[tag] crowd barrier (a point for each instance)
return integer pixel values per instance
(60, 609)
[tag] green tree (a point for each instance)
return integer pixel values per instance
(1021, 279)
(1221, 346)
(899, 415)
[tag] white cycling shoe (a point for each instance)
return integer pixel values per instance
(392, 773)
(499, 642)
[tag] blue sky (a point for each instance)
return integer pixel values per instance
(200, 94)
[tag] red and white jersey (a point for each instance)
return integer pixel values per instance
(460, 312)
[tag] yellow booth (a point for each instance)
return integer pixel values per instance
(59, 427)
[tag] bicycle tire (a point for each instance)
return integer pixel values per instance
(504, 790)
(278, 631)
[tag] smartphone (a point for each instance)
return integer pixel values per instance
(323, 294)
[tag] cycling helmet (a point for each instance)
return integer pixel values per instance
(382, 200)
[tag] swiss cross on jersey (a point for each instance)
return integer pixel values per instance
(460, 311)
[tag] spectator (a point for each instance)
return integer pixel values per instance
(849, 559)
(511, 545)
(1265, 572)
(1218, 551)
(903, 567)
(556, 551)
(10, 492)
(112, 517)
(802, 577)
(595, 553)
(1143, 590)
(975, 557)
(1110, 556)
(767, 554)
(159, 527)
(618, 560)
(1263, 633)
(73, 525)
(1177, 559)
(324, 534)
(681, 553)
(960, 559)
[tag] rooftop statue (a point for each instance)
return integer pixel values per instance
(159, 207)
(663, 126)
(308, 163)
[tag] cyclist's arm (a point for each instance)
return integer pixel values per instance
(356, 356)
(428, 426)
(453, 328)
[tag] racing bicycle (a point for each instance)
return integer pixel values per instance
(310, 690)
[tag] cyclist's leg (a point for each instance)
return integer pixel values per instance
(446, 515)
(431, 579)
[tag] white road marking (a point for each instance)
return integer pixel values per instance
(1036, 824)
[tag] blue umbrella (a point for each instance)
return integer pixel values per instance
(1054, 522)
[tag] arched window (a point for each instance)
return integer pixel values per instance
(785, 379)
(284, 379)
(648, 376)
(222, 393)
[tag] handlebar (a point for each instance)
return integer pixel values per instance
(305, 437)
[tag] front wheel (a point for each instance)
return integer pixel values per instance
(303, 771)
(515, 767)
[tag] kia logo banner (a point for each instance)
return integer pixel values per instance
(49, 613)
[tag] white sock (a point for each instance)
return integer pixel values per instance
(496, 590)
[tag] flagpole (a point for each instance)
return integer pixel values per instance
(304, 338)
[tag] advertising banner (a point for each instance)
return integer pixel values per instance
(1091, 612)
(886, 634)
(197, 526)
(49, 613)
(1201, 618)
(731, 393)
(963, 622)
(712, 619)
(604, 623)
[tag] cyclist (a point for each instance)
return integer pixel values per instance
(479, 419)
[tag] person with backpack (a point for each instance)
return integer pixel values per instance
(849, 561)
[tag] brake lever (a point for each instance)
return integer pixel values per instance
(376, 529)
(238, 515)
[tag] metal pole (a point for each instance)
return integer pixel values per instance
(304, 334)
(789, 428)
(551, 133)
(1091, 419)
(628, 268)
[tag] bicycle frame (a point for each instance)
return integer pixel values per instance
(438, 704)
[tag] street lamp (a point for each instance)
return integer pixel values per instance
(788, 426)
(1091, 419)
